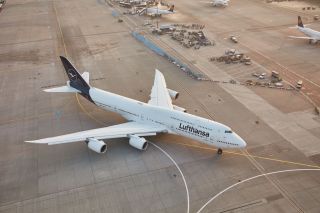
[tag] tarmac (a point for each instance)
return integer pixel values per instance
(174, 174)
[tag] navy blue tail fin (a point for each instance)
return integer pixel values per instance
(300, 24)
(171, 8)
(76, 80)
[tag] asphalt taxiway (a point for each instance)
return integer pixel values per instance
(175, 174)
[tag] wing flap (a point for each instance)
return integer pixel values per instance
(117, 131)
(62, 89)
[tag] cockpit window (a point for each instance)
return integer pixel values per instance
(228, 131)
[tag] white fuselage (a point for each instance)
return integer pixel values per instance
(220, 3)
(313, 34)
(201, 129)
(156, 11)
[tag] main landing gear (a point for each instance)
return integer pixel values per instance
(219, 152)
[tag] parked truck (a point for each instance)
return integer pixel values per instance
(299, 84)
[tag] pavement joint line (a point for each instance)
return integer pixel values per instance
(254, 156)
(26, 42)
(251, 178)
(98, 34)
(274, 181)
(183, 178)
(36, 117)
(52, 195)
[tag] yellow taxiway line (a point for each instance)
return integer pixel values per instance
(254, 156)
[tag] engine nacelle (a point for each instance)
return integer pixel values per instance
(138, 143)
(313, 41)
(97, 145)
(179, 108)
(173, 94)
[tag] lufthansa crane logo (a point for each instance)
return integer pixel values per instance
(72, 74)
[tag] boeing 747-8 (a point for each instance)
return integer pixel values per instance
(155, 11)
(159, 115)
(217, 3)
(312, 35)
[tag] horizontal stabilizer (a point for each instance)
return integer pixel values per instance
(62, 89)
(301, 37)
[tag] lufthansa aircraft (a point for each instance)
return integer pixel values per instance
(159, 115)
(312, 35)
(220, 3)
(155, 11)
(217, 3)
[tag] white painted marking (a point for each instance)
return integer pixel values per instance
(246, 180)
(183, 178)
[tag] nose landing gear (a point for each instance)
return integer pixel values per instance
(219, 152)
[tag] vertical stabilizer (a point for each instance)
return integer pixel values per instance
(171, 8)
(300, 24)
(77, 81)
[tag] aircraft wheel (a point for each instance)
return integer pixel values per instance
(219, 152)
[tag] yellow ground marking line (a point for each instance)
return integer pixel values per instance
(46, 114)
(25, 119)
(86, 112)
(254, 156)
(251, 178)
(60, 30)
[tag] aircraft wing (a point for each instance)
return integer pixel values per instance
(159, 94)
(116, 131)
(301, 37)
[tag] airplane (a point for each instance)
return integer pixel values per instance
(155, 11)
(131, 3)
(220, 3)
(217, 3)
(157, 116)
(125, 4)
(312, 35)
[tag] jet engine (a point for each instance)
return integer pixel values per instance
(313, 41)
(96, 145)
(179, 108)
(138, 143)
(173, 94)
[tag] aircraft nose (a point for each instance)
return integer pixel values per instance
(243, 144)
(240, 141)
